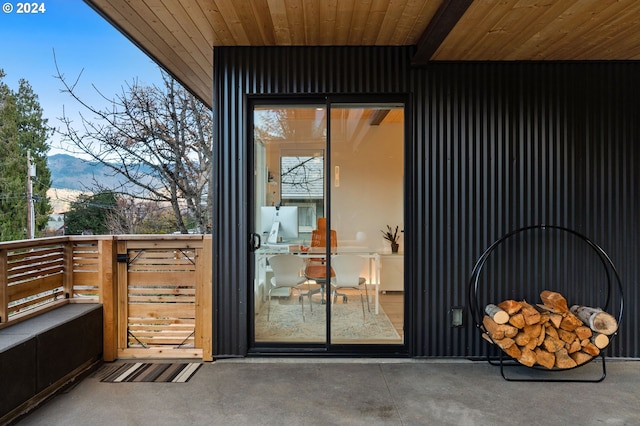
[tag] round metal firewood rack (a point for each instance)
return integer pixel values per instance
(610, 295)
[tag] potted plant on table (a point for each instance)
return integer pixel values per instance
(392, 236)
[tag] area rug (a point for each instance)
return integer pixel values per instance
(347, 326)
(150, 372)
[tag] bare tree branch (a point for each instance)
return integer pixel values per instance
(158, 139)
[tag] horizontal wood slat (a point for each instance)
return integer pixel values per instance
(159, 352)
(161, 340)
(165, 244)
(35, 301)
(161, 327)
(160, 299)
(35, 253)
(168, 310)
(28, 261)
(32, 274)
(85, 293)
(161, 290)
(85, 278)
(168, 331)
(85, 261)
(33, 287)
(162, 278)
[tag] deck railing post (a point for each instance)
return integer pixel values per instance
(67, 280)
(109, 298)
(204, 326)
(121, 308)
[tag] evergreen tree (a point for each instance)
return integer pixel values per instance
(22, 129)
(13, 205)
(90, 214)
(33, 133)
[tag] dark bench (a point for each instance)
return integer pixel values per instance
(41, 354)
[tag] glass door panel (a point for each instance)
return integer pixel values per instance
(318, 196)
(367, 195)
(289, 198)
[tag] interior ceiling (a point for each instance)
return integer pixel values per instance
(181, 35)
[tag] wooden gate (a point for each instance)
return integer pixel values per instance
(164, 298)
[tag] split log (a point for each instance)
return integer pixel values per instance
(505, 343)
(527, 357)
(600, 340)
(553, 344)
(570, 322)
(555, 301)
(533, 330)
(498, 331)
(566, 336)
(590, 348)
(497, 314)
(580, 357)
(598, 320)
(574, 346)
(541, 336)
(531, 314)
(510, 306)
(522, 338)
(532, 344)
(551, 331)
(517, 320)
(563, 360)
(548, 316)
(584, 332)
(545, 359)
(556, 319)
(510, 348)
(545, 317)
(508, 345)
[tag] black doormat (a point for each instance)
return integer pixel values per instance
(151, 372)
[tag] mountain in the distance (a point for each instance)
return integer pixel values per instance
(68, 172)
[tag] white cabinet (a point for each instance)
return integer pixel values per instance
(391, 272)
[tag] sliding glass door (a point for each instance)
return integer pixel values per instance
(290, 143)
(366, 196)
(327, 187)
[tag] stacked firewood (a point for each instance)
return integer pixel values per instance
(549, 334)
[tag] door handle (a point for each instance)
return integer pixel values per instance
(255, 242)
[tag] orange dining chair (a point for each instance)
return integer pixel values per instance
(316, 269)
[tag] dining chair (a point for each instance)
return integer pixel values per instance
(316, 269)
(347, 269)
(287, 270)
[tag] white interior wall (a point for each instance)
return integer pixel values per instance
(370, 194)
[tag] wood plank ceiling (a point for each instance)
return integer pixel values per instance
(181, 35)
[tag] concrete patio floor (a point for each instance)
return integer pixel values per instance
(268, 391)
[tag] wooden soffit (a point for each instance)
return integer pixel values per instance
(181, 35)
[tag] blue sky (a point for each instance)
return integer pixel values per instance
(83, 42)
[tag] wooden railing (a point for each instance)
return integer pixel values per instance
(155, 289)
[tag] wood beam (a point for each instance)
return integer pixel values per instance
(378, 115)
(447, 16)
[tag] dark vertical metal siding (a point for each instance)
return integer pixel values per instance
(258, 71)
(493, 147)
(507, 145)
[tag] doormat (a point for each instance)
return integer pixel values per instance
(152, 372)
